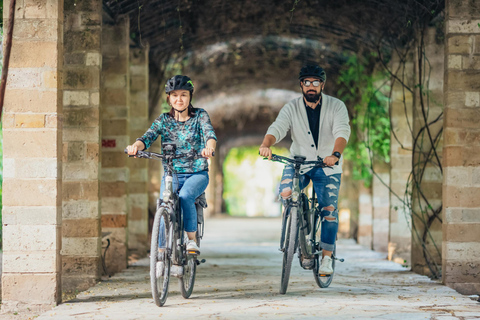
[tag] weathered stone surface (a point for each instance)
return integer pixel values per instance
(82, 40)
(81, 228)
(81, 117)
(28, 54)
(86, 247)
(31, 289)
(30, 262)
(35, 192)
(80, 190)
(81, 78)
(31, 238)
(114, 221)
(36, 215)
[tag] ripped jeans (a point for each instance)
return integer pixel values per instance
(326, 188)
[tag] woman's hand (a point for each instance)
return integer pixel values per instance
(132, 149)
(208, 152)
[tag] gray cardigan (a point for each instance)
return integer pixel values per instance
(333, 124)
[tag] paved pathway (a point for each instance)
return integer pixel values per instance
(241, 280)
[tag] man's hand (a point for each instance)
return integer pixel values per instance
(265, 152)
(330, 160)
(208, 152)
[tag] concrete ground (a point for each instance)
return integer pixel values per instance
(241, 277)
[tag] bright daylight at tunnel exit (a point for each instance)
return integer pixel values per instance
(228, 159)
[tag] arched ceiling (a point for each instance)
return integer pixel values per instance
(237, 47)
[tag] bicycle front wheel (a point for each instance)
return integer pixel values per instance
(322, 280)
(188, 280)
(160, 261)
(290, 241)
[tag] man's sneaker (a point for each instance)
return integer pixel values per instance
(160, 266)
(326, 266)
(192, 247)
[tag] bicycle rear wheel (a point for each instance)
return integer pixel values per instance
(160, 285)
(189, 271)
(290, 242)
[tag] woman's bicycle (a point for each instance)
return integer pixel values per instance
(168, 254)
(301, 223)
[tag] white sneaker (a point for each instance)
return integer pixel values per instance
(192, 247)
(326, 266)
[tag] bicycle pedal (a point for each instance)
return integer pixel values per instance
(198, 262)
(325, 275)
(193, 253)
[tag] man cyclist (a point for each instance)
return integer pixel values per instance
(319, 126)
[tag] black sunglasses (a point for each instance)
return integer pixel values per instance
(307, 83)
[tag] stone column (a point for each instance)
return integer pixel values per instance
(365, 215)
(115, 137)
(399, 242)
(81, 232)
(427, 182)
(381, 206)
(32, 151)
(461, 181)
(138, 184)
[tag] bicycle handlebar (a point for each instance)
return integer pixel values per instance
(301, 160)
(158, 156)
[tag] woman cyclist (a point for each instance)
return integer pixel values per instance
(190, 129)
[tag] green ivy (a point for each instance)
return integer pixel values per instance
(363, 91)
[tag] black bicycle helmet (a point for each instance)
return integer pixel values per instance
(312, 71)
(179, 82)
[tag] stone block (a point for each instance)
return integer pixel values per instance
(35, 9)
(471, 62)
(454, 99)
(476, 48)
(115, 81)
(92, 18)
(81, 117)
(81, 209)
(81, 78)
(115, 144)
(51, 121)
(461, 232)
(34, 262)
(34, 54)
(466, 197)
(36, 143)
(8, 120)
(35, 215)
(139, 175)
(25, 100)
(24, 78)
(465, 215)
(138, 227)
(463, 81)
(29, 120)
(31, 238)
(472, 99)
(75, 98)
(80, 171)
(82, 266)
(460, 251)
(137, 187)
(461, 118)
(77, 228)
(115, 127)
(455, 62)
(85, 247)
(113, 189)
(138, 214)
(113, 97)
(82, 134)
(113, 205)
(29, 29)
(459, 44)
(35, 192)
(95, 98)
(114, 112)
(80, 190)
(77, 58)
(84, 40)
(114, 221)
(458, 176)
(93, 152)
(83, 6)
(464, 288)
(36, 168)
(464, 9)
(94, 59)
(114, 160)
(50, 79)
(76, 151)
(463, 26)
(114, 174)
(31, 289)
(19, 10)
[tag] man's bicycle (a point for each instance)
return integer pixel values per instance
(301, 223)
(168, 254)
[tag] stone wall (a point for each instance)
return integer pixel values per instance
(32, 151)
(461, 153)
(380, 206)
(81, 230)
(115, 137)
(138, 183)
(365, 216)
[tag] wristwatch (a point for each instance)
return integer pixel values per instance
(337, 154)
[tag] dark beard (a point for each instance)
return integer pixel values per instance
(312, 97)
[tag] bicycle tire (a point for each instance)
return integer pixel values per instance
(291, 233)
(187, 282)
(159, 286)
(323, 281)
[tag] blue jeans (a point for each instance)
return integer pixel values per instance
(189, 186)
(326, 188)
